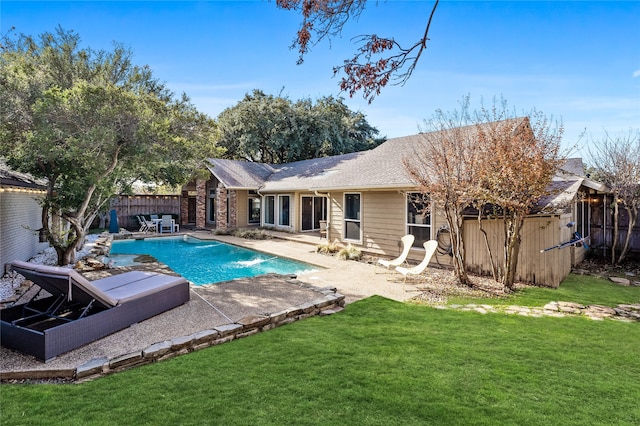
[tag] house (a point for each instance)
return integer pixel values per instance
(20, 216)
(368, 200)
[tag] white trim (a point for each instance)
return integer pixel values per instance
(345, 220)
(264, 210)
(290, 213)
(313, 212)
(417, 225)
(249, 198)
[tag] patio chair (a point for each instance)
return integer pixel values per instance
(150, 225)
(143, 223)
(323, 229)
(429, 249)
(167, 223)
(407, 242)
(78, 311)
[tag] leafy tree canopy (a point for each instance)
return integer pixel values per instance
(273, 129)
(91, 123)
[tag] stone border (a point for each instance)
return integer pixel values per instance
(331, 303)
(628, 313)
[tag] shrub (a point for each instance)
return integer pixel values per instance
(251, 234)
(328, 248)
(350, 253)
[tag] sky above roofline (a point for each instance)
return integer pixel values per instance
(578, 61)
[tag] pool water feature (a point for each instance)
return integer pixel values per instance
(204, 262)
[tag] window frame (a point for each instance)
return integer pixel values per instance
(357, 220)
(267, 208)
(212, 214)
(418, 242)
(279, 211)
(252, 199)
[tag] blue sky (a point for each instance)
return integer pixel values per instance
(578, 61)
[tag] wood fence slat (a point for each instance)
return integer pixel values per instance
(129, 206)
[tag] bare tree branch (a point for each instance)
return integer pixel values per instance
(368, 71)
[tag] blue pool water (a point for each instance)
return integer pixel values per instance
(204, 262)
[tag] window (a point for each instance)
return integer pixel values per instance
(352, 217)
(582, 215)
(314, 209)
(270, 210)
(419, 217)
(212, 206)
(283, 208)
(254, 210)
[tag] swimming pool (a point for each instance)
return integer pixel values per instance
(205, 262)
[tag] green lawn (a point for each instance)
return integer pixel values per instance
(378, 362)
(584, 289)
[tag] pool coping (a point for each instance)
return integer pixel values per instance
(338, 283)
(328, 302)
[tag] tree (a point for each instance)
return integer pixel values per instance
(272, 129)
(616, 162)
(369, 69)
(490, 160)
(91, 123)
(443, 164)
(518, 159)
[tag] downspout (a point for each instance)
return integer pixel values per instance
(328, 197)
(261, 207)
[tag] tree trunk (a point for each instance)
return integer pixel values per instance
(103, 220)
(513, 226)
(456, 225)
(68, 256)
(632, 213)
(494, 267)
(614, 241)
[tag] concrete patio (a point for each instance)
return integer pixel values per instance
(225, 303)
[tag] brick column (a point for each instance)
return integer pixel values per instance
(184, 208)
(201, 203)
(221, 207)
(233, 210)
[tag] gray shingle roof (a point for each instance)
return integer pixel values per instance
(240, 174)
(381, 167)
(14, 178)
(309, 174)
(573, 166)
(378, 168)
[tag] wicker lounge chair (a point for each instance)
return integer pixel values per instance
(79, 311)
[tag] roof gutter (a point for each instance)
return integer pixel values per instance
(369, 187)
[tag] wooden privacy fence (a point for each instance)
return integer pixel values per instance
(540, 232)
(127, 207)
(601, 228)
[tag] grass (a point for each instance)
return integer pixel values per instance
(378, 362)
(583, 289)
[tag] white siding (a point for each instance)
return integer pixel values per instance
(20, 219)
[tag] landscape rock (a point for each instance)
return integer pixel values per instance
(620, 281)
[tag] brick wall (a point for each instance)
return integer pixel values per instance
(233, 210)
(184, 208)
(20, 219)
(201, 203)
(221, 207)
